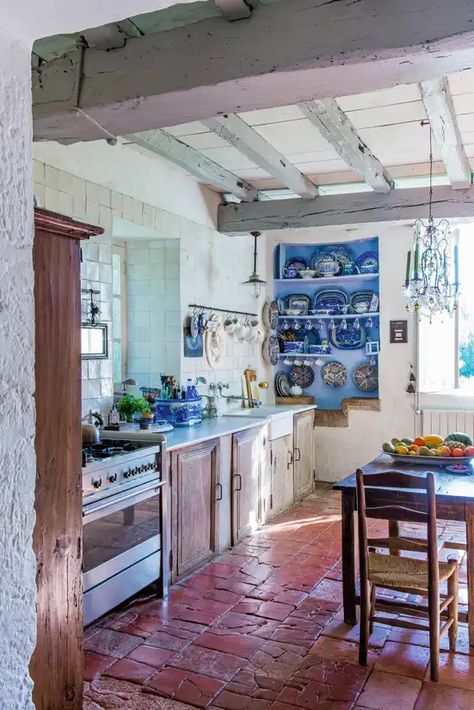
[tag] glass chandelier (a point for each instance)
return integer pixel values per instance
(428, 288)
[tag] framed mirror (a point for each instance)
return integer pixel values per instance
(94, 341)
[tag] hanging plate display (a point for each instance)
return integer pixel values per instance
(348, 338)
(302, 375)
(270, 315)
(330, 301)
(298, 302)
(366, 377)
(282, 385)
(271, 349)
(368, 262)
(361, 301)
(334, 374)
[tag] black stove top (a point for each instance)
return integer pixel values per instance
(107, 449)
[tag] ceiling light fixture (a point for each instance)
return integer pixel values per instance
(254, 279)
(428, 288)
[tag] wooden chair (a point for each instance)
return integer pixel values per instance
(421, 577)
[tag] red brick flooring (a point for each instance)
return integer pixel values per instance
(261, 629)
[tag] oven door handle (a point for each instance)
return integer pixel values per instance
(95, 510)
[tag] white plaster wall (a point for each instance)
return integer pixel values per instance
(339, 451)
(17, 423)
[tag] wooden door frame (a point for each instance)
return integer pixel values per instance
(57, 541)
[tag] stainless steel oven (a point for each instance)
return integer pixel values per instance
(124, 509)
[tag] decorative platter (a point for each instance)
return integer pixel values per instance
(298, 302)
(273, 349)
(334, 374)
(368, 262)
(348, 338)
(343, 254)
(194, 326)
(214, 343)
(361, 302)
(330, 301)
(366, 377)
(282, 384)
(429, 461)
(302, 375)
(270, 314)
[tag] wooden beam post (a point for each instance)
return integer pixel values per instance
(359, 208)
(442, 117)
(239, 134)
(288, 53)
(337, 129)
(196, 163)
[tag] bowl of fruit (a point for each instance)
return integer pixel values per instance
(455, 448)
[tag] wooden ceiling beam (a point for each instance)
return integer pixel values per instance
(201, 167)
(361, 208)
(336, 127)
(290, 52)
(246, 140)
(442, 117)
(234, 9)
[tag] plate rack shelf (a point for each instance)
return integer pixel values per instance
(331, 328)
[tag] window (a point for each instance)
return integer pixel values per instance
(119, 313)
(446, 346)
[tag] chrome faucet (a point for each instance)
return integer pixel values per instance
(210, 411)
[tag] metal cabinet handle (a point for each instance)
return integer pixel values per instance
(290, 459)
(237, 475)
(297, 453)
(219, 487)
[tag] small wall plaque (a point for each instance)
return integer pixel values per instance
(398, 331)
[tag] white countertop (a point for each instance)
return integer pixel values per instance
(228, 424)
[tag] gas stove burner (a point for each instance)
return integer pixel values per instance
(106, 450)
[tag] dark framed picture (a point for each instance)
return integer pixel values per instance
(193, 346)
(398, 331)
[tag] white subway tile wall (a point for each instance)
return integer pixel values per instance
(188, 263)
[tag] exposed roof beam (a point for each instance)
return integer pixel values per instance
(234, 9)
(360, 208)
(239, 134)
(289, 52)
(337, 129)
(442, 117)
(204, 169)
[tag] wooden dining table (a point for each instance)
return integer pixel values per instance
(454, 501)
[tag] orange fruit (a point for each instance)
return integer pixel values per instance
(413, 449)
(457, 452)
(444, 451)
(419, 441)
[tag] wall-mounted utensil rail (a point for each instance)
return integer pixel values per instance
(221, 310)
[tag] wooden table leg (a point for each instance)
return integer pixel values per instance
(470, 568)
(348, 558)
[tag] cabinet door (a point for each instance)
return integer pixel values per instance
(194, 491)
(247, 453)
(282, 474)
(303, 454)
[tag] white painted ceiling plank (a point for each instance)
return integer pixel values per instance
(244, 138)
(204, 169)
(441, 114)
(338, 130)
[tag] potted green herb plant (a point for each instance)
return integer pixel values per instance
(129, 405)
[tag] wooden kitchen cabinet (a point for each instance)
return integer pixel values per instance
(281, 471)
(247, 461)
(195, 492)
(303, 450)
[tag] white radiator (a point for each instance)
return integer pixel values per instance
(447, 421)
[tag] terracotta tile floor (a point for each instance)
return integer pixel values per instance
(261, 628)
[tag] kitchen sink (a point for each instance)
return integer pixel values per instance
(280, 423)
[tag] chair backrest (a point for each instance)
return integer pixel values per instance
(377, 495)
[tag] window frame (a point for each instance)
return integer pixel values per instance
(119, 248)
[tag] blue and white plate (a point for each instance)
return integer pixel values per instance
(326, 266)
(296, 262)
(368, 262)
(348, 338)
(361, 301)
(298, 302)
(330, 301)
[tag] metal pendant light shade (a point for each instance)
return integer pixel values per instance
(254, 279)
